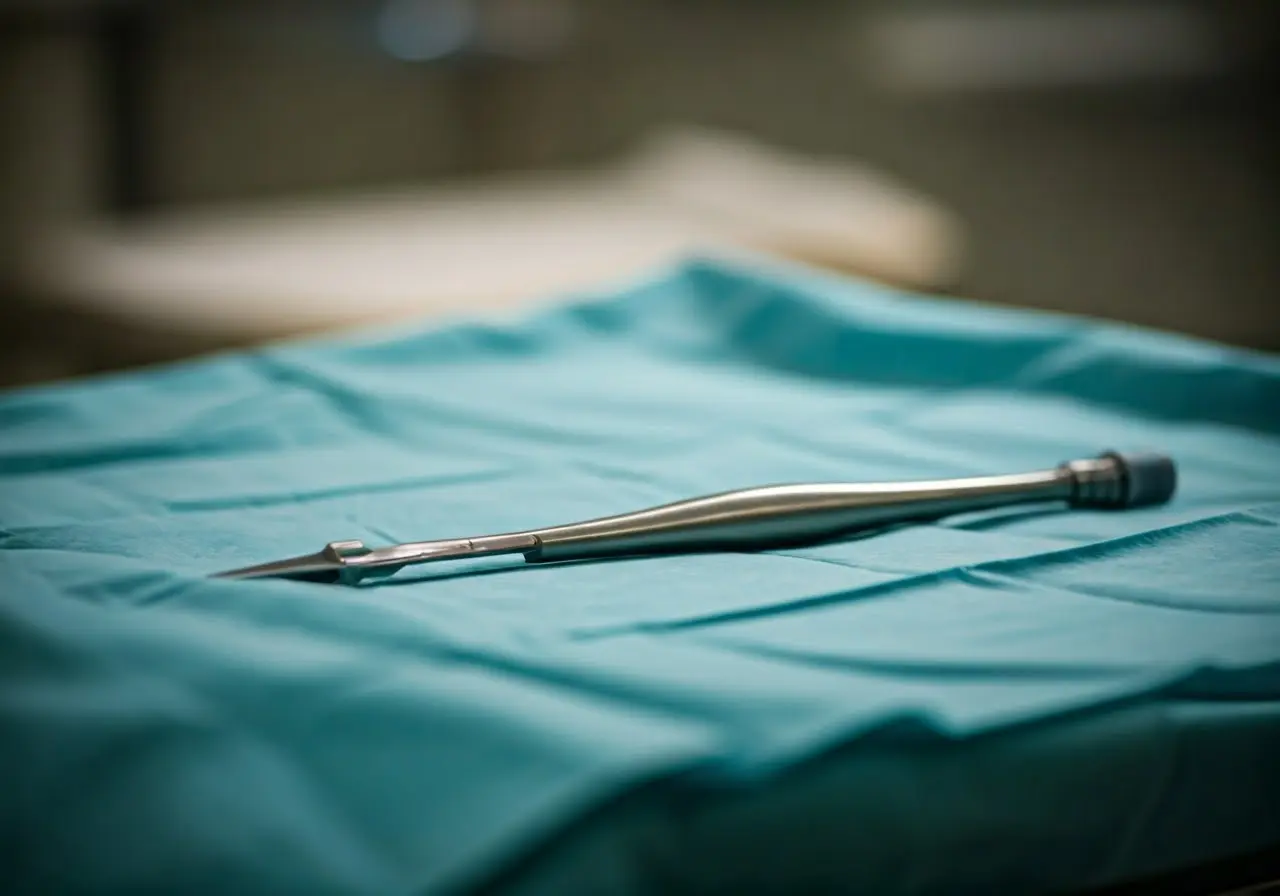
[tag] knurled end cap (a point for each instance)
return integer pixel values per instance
(1149, 478)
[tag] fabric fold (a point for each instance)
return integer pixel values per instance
(1004, 701)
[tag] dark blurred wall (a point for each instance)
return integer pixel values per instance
(51, 163)
(1144, 198)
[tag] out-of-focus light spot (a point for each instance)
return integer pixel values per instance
(425, 30)
(528, 28)
(956, 49)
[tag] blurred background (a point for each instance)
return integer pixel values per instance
(182, 176)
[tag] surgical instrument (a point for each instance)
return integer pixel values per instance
(757, 518)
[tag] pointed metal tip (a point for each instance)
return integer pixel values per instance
(309, 567)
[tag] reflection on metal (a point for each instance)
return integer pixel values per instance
(755, 519)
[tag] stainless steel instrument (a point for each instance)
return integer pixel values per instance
(757, 518)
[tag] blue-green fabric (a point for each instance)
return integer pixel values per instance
(1012, 700)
